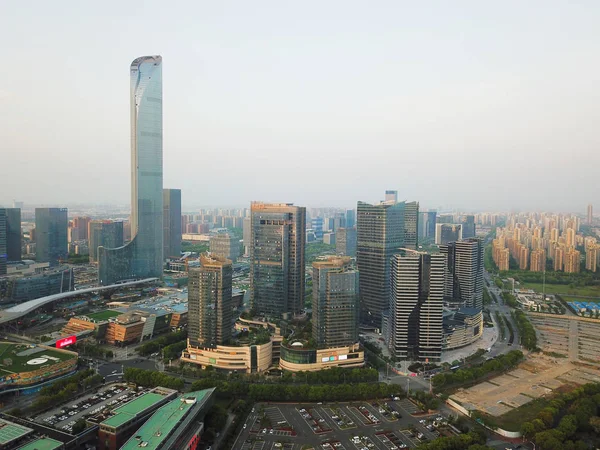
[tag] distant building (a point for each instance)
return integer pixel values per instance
(329, 238)
(350, 218)
(346, 242)
(468, 226)
(51, 226)
(13, 233)
(209, 301)
(463, 286)
(247, 236)
(171, 223)
(445, 233)
(427, 222)
(572, 261)
(277, 269)
(3, 241)
(22, 284)
(81, 224)
(335, 303)
(225, 245)
(538, 260)
(591, 257)
(380, 235)
(416, 306)
(391, 196)
(104, 233)
(411, 225)
(316, 225)
(590, 214)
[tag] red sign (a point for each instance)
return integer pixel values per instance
(66, 341)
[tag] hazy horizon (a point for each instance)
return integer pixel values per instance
(476, 107)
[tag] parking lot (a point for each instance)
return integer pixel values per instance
(65, 416)
(381, 425)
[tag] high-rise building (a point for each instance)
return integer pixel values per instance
(391, 196)
(225, 245)
(380, 235)
(335, 303)
(3, 241)
(104, 233)
(445, 233)
(247, 235)
(463, 286)
(572, 261)
(590, 214)
(416, 306)
(427, 224)
(411, 225)
(346, 242)
(277, 258)
(468, 226)
(538, 260)
(317, 224)
(350, 218)
(210, 316)
(51, 226)
(12, 238)
(81, 224)
(142, 257)
(172, 222)
(591, 257)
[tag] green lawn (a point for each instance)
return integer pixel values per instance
(586, 291)
(19, 363)
(512, 420)
(104, 315)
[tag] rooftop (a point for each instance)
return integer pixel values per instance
(10, 431)
(42, 444)
(131, 409)
(164, 421)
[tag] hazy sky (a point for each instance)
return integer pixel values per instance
(472, 104)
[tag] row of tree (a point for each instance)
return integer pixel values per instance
(473, 440)
(151, 378)
(569, 422)
(298, 392)
(335, 375)
(154, 346)
(173, 351)
(526, 330)
(468, 375)
(65, 389)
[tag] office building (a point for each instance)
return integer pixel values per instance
(463, 286)
(277, 258)
(225, 245)
(445, 233)
(345, 242)
(391, 196)
(178, 425)
(209, 302)
(317, 224)
(416, 306)
(329, 238)
(427, 222)
(411, 225)
(51, 226)
(172, 223)
(3, 241)
(380, 235)
(335, 303)
(81, 225)
(350, 218)
(468, 226)
(590, 214)
(13, 233)
(104, 233)
(142, 257)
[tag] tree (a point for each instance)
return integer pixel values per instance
(528, 430)
(595, 423)
(79, 426)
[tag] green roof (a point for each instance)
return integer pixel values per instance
(130, 409)
(104, 315)
(10, 431)
(42, 444)
(164, 421)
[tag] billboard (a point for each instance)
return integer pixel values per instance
(66, 341)
(342, 357)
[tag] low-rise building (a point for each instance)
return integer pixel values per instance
(461, 328)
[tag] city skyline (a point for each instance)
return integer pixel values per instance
(222, 77)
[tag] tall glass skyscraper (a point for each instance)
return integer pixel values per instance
(51, 225)
(172, 222)
(142, 257)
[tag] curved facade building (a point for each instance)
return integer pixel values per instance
(142, 257)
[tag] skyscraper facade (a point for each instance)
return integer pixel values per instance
(445, 233)
(416, 306)
(51, 225)
(10, 238)
(350, 218)
(171, 222)
(316, 224)
(468, 226)
(104, 233)
(335, 303)
(209, 302)
(277, 258)
(590, 214)
(345, 243)
(391, 196)
(411, 225)
(427, 221)
(225, 245)
(247, 235)
(142, 257)
(81, 224)
(380, 235)
(463, 285)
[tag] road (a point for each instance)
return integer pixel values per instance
(503, 309)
